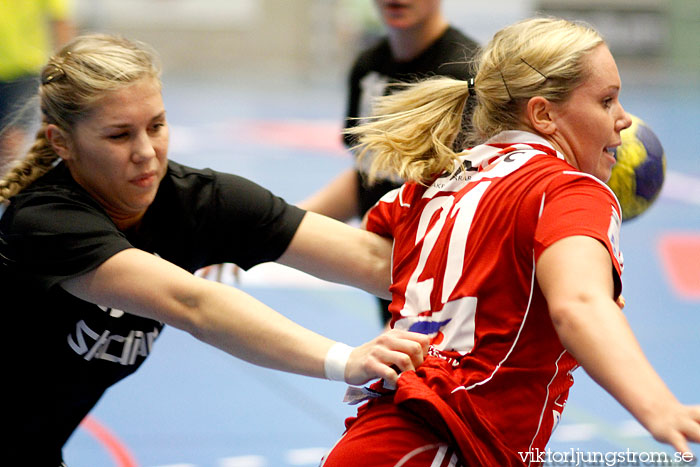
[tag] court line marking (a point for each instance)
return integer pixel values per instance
(114, 446)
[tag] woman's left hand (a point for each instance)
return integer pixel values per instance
(386, 356)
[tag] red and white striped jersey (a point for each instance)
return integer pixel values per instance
(465, 250)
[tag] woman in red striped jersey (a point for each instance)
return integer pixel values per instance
(507, 256)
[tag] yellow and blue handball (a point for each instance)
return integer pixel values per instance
(640, 170)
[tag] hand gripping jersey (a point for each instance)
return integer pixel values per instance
(464, 261)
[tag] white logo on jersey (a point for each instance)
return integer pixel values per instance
(614, 234)
(136, 343)
(125, 349)
(452, 328)
(372, 86)
(113, 312)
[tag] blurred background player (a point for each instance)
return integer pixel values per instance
(419, 43)
(30, 30)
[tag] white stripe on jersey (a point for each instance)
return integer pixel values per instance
(439, 456)
(515, 341)
(544, 406)
(415, 452)
(444, 453)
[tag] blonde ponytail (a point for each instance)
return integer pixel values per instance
(412, 131)
(39, 159)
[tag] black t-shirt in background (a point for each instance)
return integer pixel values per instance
(375, 68)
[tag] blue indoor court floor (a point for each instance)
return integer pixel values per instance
(193, 405)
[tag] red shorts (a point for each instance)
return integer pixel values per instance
(388, 435)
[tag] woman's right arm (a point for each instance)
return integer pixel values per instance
(575, 275)
(225, 317)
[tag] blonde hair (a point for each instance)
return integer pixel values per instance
(412, 131)
(72, 82)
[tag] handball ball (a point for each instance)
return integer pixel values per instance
(639, 173)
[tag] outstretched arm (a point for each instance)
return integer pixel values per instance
(336, 252)
(575, 275)
(143, 284)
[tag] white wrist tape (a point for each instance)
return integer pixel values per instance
(336, 360)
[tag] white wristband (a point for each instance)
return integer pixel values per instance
(336, 360)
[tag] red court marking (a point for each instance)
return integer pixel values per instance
(116, 449)
(321, 135)
(680, 255)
